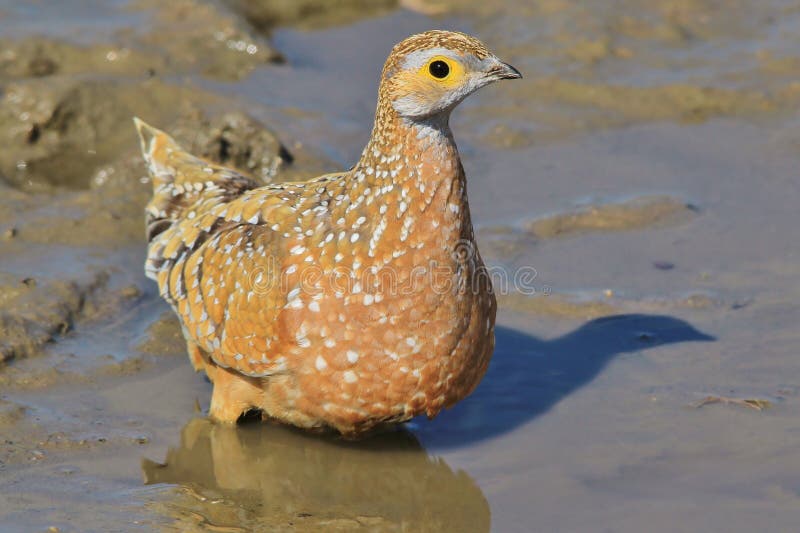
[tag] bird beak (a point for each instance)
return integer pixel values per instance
(503, 71)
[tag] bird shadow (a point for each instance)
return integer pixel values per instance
(528, 375)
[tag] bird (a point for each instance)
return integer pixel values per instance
(351, 301)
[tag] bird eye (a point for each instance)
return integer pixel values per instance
(439, 69)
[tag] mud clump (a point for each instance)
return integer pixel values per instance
(756, 404)
(562, 107)
(504, 243)
(639, 213)
(66, 108)
(236, 140)
(65, 133)
(85, 140)
(30, 58)
(642, 104)
(164, 337)
(32, 315)
(589, 305)
(557, 306)
(183, 37)
(196, 35)
(265, 15)
(59, 131)
(10, 412)
(39, 57)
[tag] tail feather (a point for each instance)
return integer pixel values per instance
(147, 133)
(158, 150)
(182, 182)
(185, 189)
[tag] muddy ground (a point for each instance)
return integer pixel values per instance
(643, 174)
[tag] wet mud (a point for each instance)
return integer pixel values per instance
(610, 64)
(642, 176)
(266, 15)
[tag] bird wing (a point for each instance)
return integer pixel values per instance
(231, 306)
(219, 246)
(225, 274)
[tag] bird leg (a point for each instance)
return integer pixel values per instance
(234, 394)
(196, 356)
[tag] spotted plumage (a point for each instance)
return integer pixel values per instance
(350, 300)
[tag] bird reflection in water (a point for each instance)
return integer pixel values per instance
(264, 477)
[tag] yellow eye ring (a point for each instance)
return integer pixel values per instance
(442, 69)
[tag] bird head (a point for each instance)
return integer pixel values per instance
(430, 73)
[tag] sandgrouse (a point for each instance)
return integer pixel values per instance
(351, 300)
